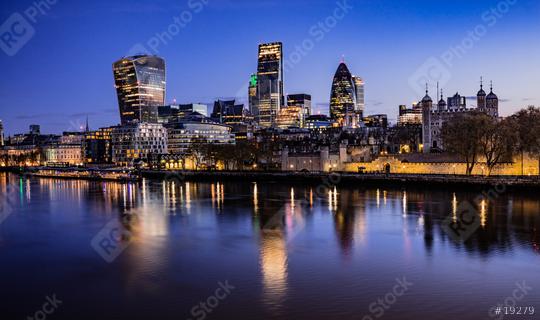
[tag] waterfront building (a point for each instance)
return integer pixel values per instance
(66, 154)
(269, 83)
(132, 143)
(433, 119)
(1, 134)
(97, 146)
(140, 86)
(344, 104)
(197, 129)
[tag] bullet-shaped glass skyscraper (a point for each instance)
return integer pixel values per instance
(140, 86)
(269, 83)
(347, 98)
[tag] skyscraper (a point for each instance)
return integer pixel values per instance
(303, 102)
(140, 86)
(253, 96)
(343, 103)
(360, 95)
(1, 134)
(269, 83)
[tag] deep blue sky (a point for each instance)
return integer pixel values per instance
(64, 71)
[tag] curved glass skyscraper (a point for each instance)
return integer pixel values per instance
(140, 86)
(344, 106)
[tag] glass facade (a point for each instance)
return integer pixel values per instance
(343, 98)
(269, 83)
(140, 86)
(360, 95)
(253, 96)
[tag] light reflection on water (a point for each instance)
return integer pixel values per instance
(291, 250)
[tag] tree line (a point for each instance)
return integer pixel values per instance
(477, 137)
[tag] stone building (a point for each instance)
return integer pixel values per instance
(434, 116)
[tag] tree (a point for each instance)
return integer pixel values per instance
(462, 136)
(526, 123)
(496, 141)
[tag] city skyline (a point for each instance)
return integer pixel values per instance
(387, 76)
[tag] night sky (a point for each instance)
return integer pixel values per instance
(63, 73)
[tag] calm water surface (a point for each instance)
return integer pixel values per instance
(289, 251)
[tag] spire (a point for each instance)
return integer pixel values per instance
(481, 82)
(442, 94)
(491, 86)
(427, 88)
(87, 127)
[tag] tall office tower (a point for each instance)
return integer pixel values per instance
(360, 95)
(303, 102)
(270, 82)
(343, 98)
(253, 96)
(140, 86)
(1, 134)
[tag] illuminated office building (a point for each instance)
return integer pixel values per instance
(344, 106)
(135, 142)
(360, 95)
(297, 111)
(97, 146)
(253, 96)
(140, 86)
(269, 83)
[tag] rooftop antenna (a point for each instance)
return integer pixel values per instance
(437, 88)
(491, 86)
(481, 82)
